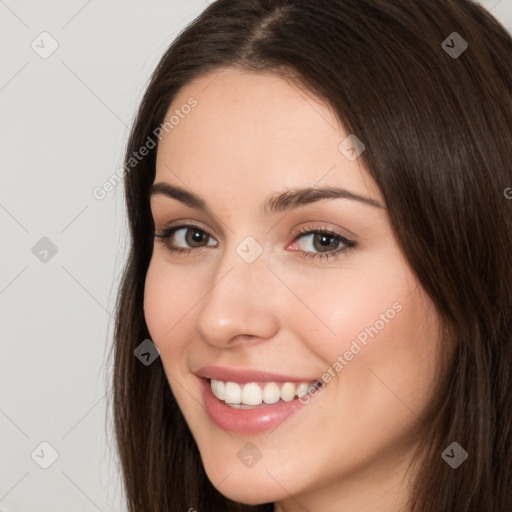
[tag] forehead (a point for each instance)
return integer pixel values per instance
(254, 131)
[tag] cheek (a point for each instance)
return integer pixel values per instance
(375, 331)
(155, 302)
(333, 309)
(167, 299)
(381, 367)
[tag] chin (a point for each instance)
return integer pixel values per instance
(250, 486)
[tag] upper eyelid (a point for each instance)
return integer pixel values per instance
(183, 225)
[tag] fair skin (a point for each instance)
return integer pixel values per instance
(253, 135)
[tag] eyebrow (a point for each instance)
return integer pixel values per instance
(280, 202)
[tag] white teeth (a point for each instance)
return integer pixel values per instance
(218, 388)
(252, 394)
(232, 393)
(271, 393)
(302, 389)
(288, 392)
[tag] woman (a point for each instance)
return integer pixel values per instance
(318, 289)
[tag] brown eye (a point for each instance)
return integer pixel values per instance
(185, 238)
(195, 237)
(322, 243)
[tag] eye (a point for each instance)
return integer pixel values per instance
(187, 238)
(185, 234)
(327, 242)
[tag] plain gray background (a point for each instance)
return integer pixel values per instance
(65, 119)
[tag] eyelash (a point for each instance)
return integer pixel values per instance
(335, 253)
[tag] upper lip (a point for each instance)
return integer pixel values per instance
(246, 375)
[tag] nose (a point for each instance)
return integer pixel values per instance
(240, 304)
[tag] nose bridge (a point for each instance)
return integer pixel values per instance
(237, 302)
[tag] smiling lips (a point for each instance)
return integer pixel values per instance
(250, 402)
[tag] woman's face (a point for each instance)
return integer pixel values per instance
(266, 299)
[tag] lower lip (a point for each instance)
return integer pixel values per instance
(247, 421)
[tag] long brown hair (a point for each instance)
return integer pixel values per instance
(438, 134)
